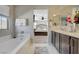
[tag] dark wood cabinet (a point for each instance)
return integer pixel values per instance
(74, 45)
(78, 45)
(52, 40)
(57, 41)
(64, 44)
(53, 37)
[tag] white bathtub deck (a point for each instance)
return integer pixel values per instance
(13, 45)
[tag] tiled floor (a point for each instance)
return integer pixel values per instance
(40, 39)
(41, 46)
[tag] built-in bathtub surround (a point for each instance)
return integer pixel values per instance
(13, 45)
(5, 38)
(10, 45)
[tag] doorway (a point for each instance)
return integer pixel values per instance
(40, 19)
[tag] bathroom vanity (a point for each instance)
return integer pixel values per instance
(65, 42)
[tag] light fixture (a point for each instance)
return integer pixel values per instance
(54, 15)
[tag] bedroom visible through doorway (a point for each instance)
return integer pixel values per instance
(40, 18)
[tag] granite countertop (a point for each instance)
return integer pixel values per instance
(59, 30)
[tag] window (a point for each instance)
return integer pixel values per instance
(20, 22)
(3, 22)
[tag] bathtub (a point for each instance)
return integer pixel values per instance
(11, 46)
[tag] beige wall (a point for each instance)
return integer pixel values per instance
(4, 10)
(59, 11)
